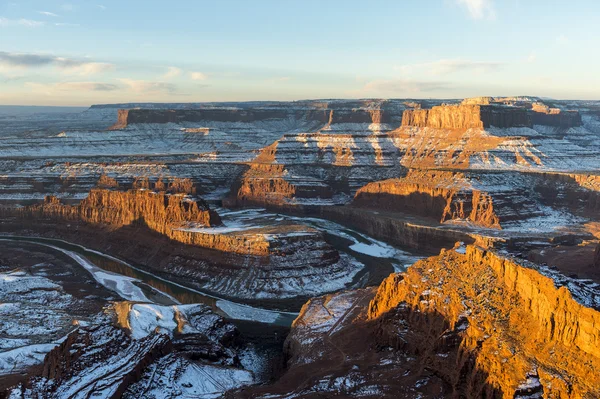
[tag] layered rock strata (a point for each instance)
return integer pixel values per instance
(466, 323)
(143, 350)
(467, 117)
(517, 325)
(167, 214)
(483, 116)
(440, 195)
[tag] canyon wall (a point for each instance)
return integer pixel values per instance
(579, 192)
(468, 115)
(313, 112)
(544, 115)
(159, 211)
(522, 330)
(439, 195)
(164, 213)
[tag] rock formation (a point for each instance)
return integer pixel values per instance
(481, 113)
(113, 361)
(517, 176)
(516, 322)
(321, 113)
(159, 211)
(467, 323)
(467, 117)
(543, 115)
(439, 195)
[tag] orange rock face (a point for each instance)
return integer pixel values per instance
(159, 211)
(264, 184)
(523, 332)
(466, 117)
(437, 194)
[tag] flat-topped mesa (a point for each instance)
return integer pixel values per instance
(544, 115)
(134, 116)
(467, 117)
(484, 112)
(526, 331)
(311, 112)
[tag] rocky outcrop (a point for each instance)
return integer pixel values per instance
(467, 117)
(522, 330)
(485, 112)
(167, 214)
(159, 211)
(135, 116)
(439, 195)
(170, 186)
(119, 360)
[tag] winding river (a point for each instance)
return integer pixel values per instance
(134, 284)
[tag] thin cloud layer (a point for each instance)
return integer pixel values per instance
(144, 86)
(29, 23)
(172, 72)
(478, 9)
(404, 86)
(65, 65)
(71, 86)
(48, 14)
(448, 67)
(198, 76)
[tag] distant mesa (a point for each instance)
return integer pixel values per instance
(485, 112)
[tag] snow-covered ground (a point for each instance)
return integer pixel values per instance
(250, 218)
(35, 315)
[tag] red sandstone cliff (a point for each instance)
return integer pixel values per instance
(159, 211)
(167, 214)
(436, 194)
(513, 320)
(483, 114)
(466, 117)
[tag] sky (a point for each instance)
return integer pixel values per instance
(106, 51)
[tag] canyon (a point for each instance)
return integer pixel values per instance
(422, 248)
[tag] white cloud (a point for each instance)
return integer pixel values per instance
(531, 57)
(30, 23)
(479, 9)
(144, 86)
(198, 76)
(448, 66)
(172, 72)
(48, 14)
(86, 68)
(100, 6)
(23, 61)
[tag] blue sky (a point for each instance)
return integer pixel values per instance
(102, 51)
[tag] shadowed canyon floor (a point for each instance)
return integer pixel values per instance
(425, 249)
